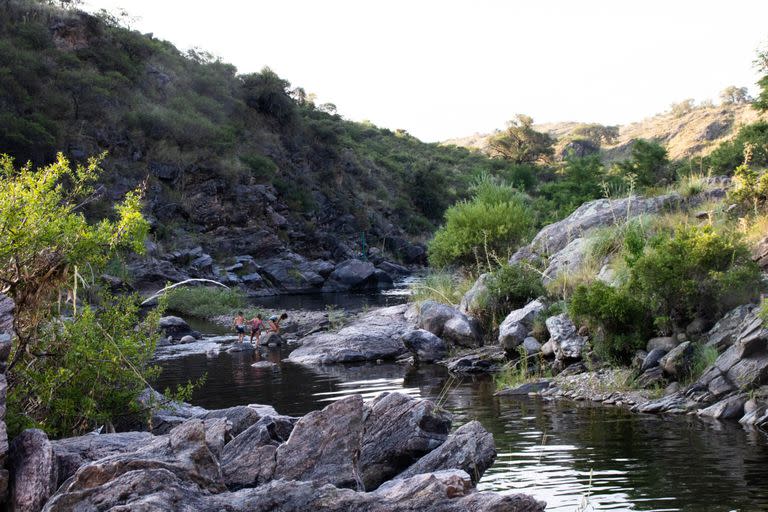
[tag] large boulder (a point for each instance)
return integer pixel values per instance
(292, 273)
(7, 307)
(516, 326)
(33, 471)
(568, 259)
(565, 338)
(374, 335)
(177, 328)
(449, 324)
(470, 449)
(325, 446)
(731, 408)
(677, 362)
(356, 275)
(249, 459)
(726, 330)
(390, 445)
(594, 214)
(425, 346)
(652, 359)
(73, 452)
(471, 302)
(488, 359)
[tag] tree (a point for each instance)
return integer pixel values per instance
(648, 163)
(761, 102)
(47, 247)
(520, 143)
(733, 95)
(269, 94)
(682, 108)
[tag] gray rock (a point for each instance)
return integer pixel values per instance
(568, 343)
(462, 331)
(568, 259)
(726, 330)
(425, 346)
(675, 403)
(470, 449)
(594, 214)
(652, 377)
(515, 327)
(525, 389)
(325, 445)
(240, 416)
(271, 339)
(177, 328)
(249, 459)
(187, 339)
(375, 335)
(433, 316)
(531, 345)
(665, 343)
(393, 269)
(638, 358)
(353, 275)
(677, 362)
(696, 327)
(471, 302)
(652, 359)
(73, 452)
(399, 430)
(729, 408)
(159, 489)
(33, 471)
(489, 359)
(292, 273)
(549, 348)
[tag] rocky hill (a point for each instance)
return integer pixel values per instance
(695, 133)
(233, 165)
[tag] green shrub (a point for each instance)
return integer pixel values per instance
(443, 287)
(730, 154)
(262, 168)
(494, 223)
(509, 287)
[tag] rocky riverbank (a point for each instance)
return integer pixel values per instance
(393, 453)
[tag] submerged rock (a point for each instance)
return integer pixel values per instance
(375, 335)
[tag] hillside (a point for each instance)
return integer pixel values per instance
(235, 164)
(695, 133)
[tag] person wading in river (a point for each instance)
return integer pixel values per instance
(274, 322)
(240, 326)
(256, 325)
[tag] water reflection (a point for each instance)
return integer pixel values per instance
(560, 452)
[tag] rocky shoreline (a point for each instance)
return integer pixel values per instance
(350, 455)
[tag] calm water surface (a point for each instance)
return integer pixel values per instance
(560, 452)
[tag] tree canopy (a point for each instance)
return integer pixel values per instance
(521, 144)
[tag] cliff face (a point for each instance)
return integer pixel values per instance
(239, 165)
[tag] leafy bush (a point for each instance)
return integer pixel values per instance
(731, 154)
(493, 223)
(262, 168)
(509, 287)
(648, 163)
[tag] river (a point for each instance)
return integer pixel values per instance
(573, 455)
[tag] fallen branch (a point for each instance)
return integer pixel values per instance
(166, 288)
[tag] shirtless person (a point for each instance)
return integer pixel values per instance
(256, 324)
(274, 322)
(240, 326)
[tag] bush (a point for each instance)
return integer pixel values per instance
(443, 287)
(648, 163)
(730, 154)
(493, 223)
(262, 168)
(509, 287)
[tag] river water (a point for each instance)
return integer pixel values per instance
(573, 455)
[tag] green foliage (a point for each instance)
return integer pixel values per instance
(508, 287)
(681, 108)
(268, 93)
(704, 356)
(750, 147)
(94, 367)
(262, 167)
(733, 95)
(580, 180)
(751, 187)
(761, 102)
(672, 279)
(597, 134)
(493, 223)
(427, 190)
(521, 144)
(205, 301)
(648, 163)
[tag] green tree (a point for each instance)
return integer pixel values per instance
(520, 143)
(597, 134)
(648, 163)
(683, 107)
(761, 102)
(269, 94)
(47, 247)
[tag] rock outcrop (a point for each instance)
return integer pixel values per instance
(516, 326)
(425, 346)
(6, 337)
(450, 324)
(568, 344)
(388, 446)
(374, 335)
(33, 471)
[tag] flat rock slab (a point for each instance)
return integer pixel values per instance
(375, 335)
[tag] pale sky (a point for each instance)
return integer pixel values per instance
(450, 68)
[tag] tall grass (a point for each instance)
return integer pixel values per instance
(205, 302)
(442, 287)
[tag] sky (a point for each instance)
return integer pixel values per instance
(450, 68)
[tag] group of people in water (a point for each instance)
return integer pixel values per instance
(258, 325)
